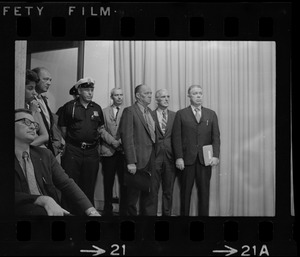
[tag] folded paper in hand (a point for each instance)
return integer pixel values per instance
(140, 180)
(207, 154)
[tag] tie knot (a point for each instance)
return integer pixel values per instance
(197, 109)
(25, 155)
(118, 108)
(146, 110)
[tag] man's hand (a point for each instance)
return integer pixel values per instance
(116, 144)
(131, 168)
(214, 161)
(179, 164)
(34, 106)
(52, 208)
(92, 212)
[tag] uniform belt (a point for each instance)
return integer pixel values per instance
(83, 145)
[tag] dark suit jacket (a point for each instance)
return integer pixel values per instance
(188, 137)
(49, 175)
(135, 136)
(163, 144)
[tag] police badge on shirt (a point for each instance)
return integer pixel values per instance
(95, 116)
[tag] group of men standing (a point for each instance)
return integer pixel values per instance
(136, 140)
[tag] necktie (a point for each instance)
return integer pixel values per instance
(150, 124)
(118, 109)
(29, 171)
(164, 121)
(198, 114)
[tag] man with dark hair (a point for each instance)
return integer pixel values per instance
(80, 121)
(38, 175)
(137, 131)
(194, 127)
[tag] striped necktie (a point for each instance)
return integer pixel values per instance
(29, 173)
(150, 123)
(164, 121)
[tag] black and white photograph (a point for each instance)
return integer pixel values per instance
(145, 128)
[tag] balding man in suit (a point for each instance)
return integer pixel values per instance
(137, 131)
(194, 127)
(165, 171)
(111, 152)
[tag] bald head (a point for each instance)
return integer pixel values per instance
(143, 94)
(116, 95)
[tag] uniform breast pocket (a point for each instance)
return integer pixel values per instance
(95, 118)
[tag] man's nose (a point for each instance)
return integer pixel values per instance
(32, 126)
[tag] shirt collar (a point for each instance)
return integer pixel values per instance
(19, 153)
(142, 108)
(160, 111)
(194, 107)
(115, 107)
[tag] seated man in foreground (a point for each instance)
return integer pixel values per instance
(38, 175)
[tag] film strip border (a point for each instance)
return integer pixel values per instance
(151, 236)
(158, 21)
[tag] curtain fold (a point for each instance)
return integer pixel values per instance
(238, 79)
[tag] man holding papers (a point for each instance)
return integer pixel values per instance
(194, 127)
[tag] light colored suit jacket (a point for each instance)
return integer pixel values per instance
(188, 136)
(135, 136)
(109, 133)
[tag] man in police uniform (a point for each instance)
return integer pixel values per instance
(79, 121)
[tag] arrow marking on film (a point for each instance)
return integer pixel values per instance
(230, 251)
(96, 252)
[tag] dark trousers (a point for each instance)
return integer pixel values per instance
(165, 174)
(202, 174)
(146, 205)
(112, 165)
(82, 166)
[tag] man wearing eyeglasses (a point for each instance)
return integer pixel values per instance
(38, 174)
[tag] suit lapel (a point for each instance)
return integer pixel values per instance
(19, 170)
(141, 117)
(120, 114)
(111, 113)
(168, 122)
(37, 165)
(155, 117)
(191, 114)
(203, 115)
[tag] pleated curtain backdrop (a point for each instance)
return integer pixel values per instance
(238, 80)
